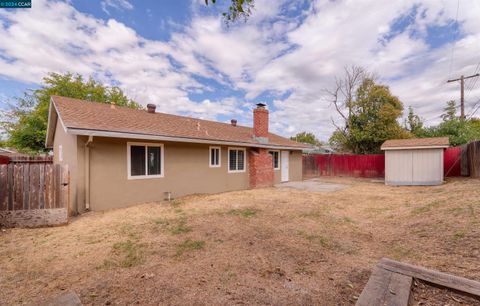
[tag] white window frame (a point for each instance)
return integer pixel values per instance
(273, 162)
(244, 160)
(219, 157)
(146, 176)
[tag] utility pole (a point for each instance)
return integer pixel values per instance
(462, 92)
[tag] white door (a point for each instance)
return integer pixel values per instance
(284, 163)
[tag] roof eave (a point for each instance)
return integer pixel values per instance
(113, 134)
(414, 147)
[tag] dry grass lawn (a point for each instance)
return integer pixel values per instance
(265, 246)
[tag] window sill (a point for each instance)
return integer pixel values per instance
(219, 166)
(145, 177)
(236, 171)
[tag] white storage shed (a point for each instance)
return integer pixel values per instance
(417, 161)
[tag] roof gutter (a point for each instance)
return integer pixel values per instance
(99, 133)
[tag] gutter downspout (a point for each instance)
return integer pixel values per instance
(87, 172)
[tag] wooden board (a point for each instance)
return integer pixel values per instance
(386, 288)
(41, 190)
(19, 187)
(438, 278)
(4, 187)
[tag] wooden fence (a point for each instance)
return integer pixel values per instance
(33, 194)
(373, 165)
(473, 158)
(344, 165)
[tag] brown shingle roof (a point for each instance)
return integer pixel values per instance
(86, 115)
(416, 143)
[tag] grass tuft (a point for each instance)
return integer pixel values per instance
(125, 254)
(180, 228)
(246, 212)
(315, 238)
(426, 208)
(459, 235)
(190, 245)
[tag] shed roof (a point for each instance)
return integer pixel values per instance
(416, 143)
(99, 119)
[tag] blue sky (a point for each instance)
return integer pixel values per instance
(181, 56)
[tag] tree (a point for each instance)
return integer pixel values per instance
(373, 114)
(414, 123)
(450, 111)
(237, 9)
(459, 132)
(26, 123)
(305, 137)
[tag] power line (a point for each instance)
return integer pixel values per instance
(473, 82)
(462, 92)
(454, 39)
(474, 110)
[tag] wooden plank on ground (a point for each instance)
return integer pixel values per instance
(400, 289)
(41, 190)
(438, 278)
(34, 186)
(3, 187)
(385, 288)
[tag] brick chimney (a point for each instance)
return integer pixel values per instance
(260, 122)
(151, 108)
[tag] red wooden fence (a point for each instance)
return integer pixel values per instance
(344, 165)
(371, 165)
(452, 161)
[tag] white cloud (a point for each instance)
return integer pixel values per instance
(292, 58)
(116, 4)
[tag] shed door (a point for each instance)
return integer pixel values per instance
(285, 167)
(428, 166)
(398, 167)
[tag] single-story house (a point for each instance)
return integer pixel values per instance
(119, 156)
(417, 161)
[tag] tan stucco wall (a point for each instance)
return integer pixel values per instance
(186, 171)
(69, 158)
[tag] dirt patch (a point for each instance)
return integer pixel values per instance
(427, 295)
(277, 246)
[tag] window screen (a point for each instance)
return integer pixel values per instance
(232, 160)
(275, 159)
(214, 156)
(154, 161)
(137, 160)
(236, 160)
(241, 160)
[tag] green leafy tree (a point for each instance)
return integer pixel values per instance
(459, 132)
(26, 123)
(237, 9)
(373, 119)
(305, 137)
(414, 123)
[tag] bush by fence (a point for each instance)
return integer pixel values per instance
(33, 194)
